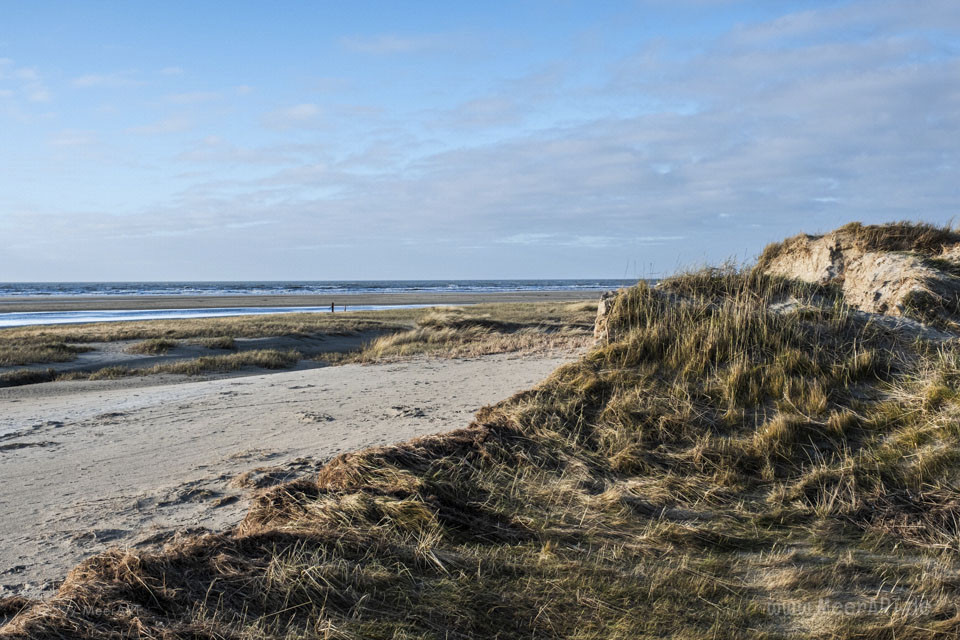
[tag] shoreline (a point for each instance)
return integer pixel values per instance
(33, 304)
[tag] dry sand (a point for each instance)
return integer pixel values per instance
(88, 465)
(28, 304)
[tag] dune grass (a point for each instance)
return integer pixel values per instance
(18, 352)
(486, 329)
(217, 342)
(715, 469)
(152, 347)
(19, 377)
(260, 358)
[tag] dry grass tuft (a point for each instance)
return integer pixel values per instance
(26, 376)
(18, 352)
(152, 347)
(260, 358)
(486, 329)
(220, 342)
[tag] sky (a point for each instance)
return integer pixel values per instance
(373, 140)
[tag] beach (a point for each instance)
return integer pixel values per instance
(156, 427)
(90, 465)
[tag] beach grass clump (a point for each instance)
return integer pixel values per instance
(226, 343)
(259, 358)
(721, 466)
(26, 376)
(18, 352)
(482, 330)
(152, 347)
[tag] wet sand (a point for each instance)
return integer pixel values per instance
(29, 304)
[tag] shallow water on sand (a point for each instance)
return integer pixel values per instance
(77, 317)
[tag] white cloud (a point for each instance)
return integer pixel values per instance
(29, 85)
(297, 116)
(192, 97)
(173, 124)
(389, 44)
(107, 80)
(73, 138)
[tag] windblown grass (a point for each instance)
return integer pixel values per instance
(467, 331)
(714, 470)
(219, 342)
(152, 347)
(17, 352)
(261, 358)
(26, 376)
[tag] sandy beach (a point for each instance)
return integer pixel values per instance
(92, 464)
(28, 304)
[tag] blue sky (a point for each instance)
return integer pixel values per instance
(322, 140)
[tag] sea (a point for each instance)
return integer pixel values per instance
(258, 288)
(306, 287)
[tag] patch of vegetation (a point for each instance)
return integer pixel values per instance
(218, 342)
(26, 376)
(940, 264)
(152, 347)
(474, 331)
(261, 358)
(716, 469)
(17, 352)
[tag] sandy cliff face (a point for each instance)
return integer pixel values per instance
(897, 269)
(875, 281)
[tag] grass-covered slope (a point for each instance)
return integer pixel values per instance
(715, 469)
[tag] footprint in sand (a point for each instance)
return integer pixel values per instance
(313, 416)
(408, 412)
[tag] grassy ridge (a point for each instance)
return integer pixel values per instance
(716, 469)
